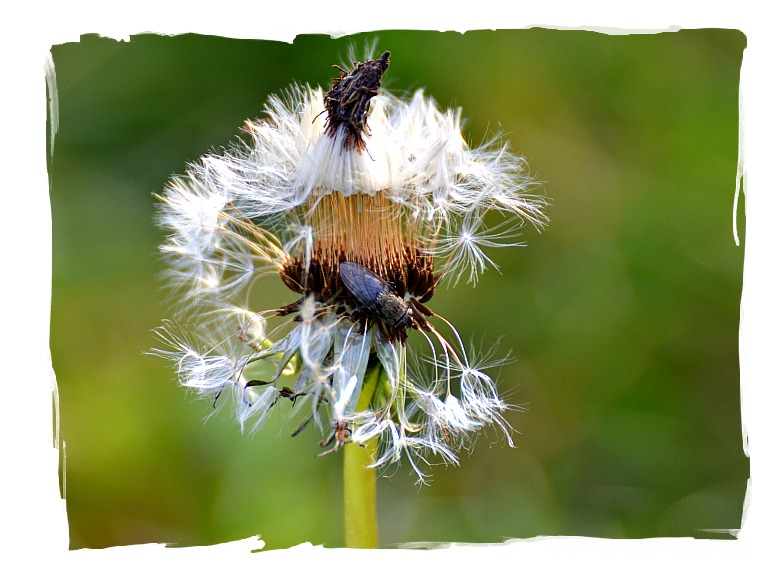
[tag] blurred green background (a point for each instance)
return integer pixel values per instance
(623, 314)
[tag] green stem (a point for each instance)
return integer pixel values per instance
(360, 518)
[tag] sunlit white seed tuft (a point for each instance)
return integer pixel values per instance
(291, 194)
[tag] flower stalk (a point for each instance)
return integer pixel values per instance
(360, 515)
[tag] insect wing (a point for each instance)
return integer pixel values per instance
(364, 285)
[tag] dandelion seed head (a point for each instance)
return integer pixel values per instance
(349, 175)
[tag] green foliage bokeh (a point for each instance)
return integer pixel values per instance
(623, 314)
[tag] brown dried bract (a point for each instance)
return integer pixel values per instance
(348, 101)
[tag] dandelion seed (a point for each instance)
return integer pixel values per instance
(362, 204)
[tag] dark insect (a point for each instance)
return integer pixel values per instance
(375, 296)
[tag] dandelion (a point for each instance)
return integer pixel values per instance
(363, 204)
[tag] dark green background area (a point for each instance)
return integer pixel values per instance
(623, 314)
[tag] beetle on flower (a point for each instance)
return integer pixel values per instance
(362, 203)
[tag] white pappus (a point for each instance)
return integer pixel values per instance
(351, 175)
